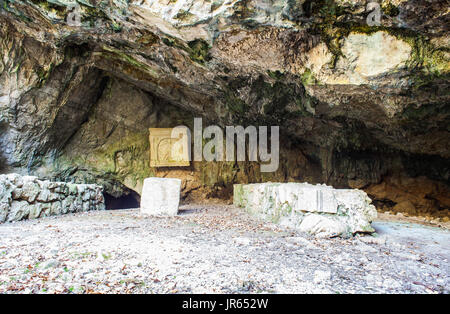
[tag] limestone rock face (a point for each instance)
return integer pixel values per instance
(160, 196)
(26, 197)
(318, 209)
(356, 103)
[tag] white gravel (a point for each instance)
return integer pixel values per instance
(214, 249)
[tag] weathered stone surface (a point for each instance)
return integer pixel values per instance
(364, 102)
(160, 196)
(26, 197)
(168, 148)
(317, 209)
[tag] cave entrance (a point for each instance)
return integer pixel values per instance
(126, 201)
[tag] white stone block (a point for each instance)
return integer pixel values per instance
(317, 209)
(160, 196)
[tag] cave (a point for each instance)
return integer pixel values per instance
(354, 94)
(124, 201)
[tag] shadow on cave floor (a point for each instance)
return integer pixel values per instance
(184, 211)
(129, 201)
(192, 208)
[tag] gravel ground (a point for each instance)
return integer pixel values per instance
(215, 249)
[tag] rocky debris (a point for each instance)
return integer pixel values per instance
(412, 196)
(160, 196)
(215, 249)
(317, 209)
(26, 197)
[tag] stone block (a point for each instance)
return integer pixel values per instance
(169, 148)
(317, 209)
(160, 196)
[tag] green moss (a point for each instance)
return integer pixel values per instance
(424, 58)
(199, 51)
(55, 7)
(215, 5)
(133, 150)
(91, 15)
(44, 74)
(183, 15)
(6, 5)
(176, 43)
(238, 195)
(276, 75)
(117, 28)
(124, 57)
(148, 39)
(242, 10)
(280, 95)
(234, 104)
(328, 10)
(135, 66)
(273, 101)
(390, 9)
(308, 78)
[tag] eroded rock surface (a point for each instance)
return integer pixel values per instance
(356, 103)
(26, 197)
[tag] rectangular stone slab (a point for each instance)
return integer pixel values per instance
(166, 151)
(299, 196)
(160, 196)
(313, 208)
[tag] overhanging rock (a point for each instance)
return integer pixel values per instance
(317, 209)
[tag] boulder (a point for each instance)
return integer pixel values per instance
(317, 209)
(160, 196)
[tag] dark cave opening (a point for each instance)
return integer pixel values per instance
(126, 201)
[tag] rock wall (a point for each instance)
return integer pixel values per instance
(26, 197)
(357, 104)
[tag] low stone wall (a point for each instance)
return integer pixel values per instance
(317, 209)
(26, 197)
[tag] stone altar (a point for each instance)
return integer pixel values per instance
(160, 196)
(317, 209)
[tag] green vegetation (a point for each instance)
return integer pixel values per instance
(308, 78)
(199, 51)
(333, 28)
(129, 64)
(183, 15)
(242, 10)
(148, 39)
(390, 9)
(276, 75)
(55, 7)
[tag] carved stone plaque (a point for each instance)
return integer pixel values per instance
(169, 149)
